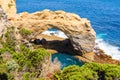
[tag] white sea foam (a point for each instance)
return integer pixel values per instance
(56, 33)
(106, 47)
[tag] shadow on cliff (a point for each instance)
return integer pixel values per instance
(62, 46)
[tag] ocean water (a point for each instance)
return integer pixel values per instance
(103, 14)
(66, 60)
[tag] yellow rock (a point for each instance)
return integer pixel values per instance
(77, 29)
(9, 7)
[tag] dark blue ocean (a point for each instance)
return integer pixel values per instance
(103, 14)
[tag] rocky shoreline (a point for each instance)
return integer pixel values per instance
(81, 36)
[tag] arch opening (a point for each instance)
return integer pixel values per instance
(55, 32)
(54, 39)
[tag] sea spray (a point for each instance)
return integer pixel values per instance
(108, 48)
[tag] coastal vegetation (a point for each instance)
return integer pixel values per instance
(90, 71)
(25, 61)
(24, 32)
(28, 62)
(21, 59)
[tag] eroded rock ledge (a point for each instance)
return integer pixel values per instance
(78, 30)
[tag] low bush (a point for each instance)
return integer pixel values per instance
(11, 65)
(90, 71)
(24, 32)
(31, 58)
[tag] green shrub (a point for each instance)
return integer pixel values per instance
(24, 32)
(30, 58)
(20, 59)
(77, 73)
(29, 76)
(90, 71)
(11, 65)
(6, 49)
(37, 56)
(112, 73)
(9, 42)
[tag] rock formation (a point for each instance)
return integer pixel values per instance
(3, 22)
(77, 29)
(6, 26)
(9, 7)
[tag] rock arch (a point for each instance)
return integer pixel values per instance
(78, 30)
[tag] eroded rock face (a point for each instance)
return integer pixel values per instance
(3, 22)
(78, 30)
(9, 7)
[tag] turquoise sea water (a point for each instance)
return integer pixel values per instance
(103, 14)
(66, 60)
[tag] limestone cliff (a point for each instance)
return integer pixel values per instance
(9, 7)
(77, 29)
(3, 22)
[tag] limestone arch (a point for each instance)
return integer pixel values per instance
(78, 30)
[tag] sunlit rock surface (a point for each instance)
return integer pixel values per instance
(9, 7)
(78, 30)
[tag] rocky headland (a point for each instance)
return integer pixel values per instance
(79, 31)
(25, 53)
